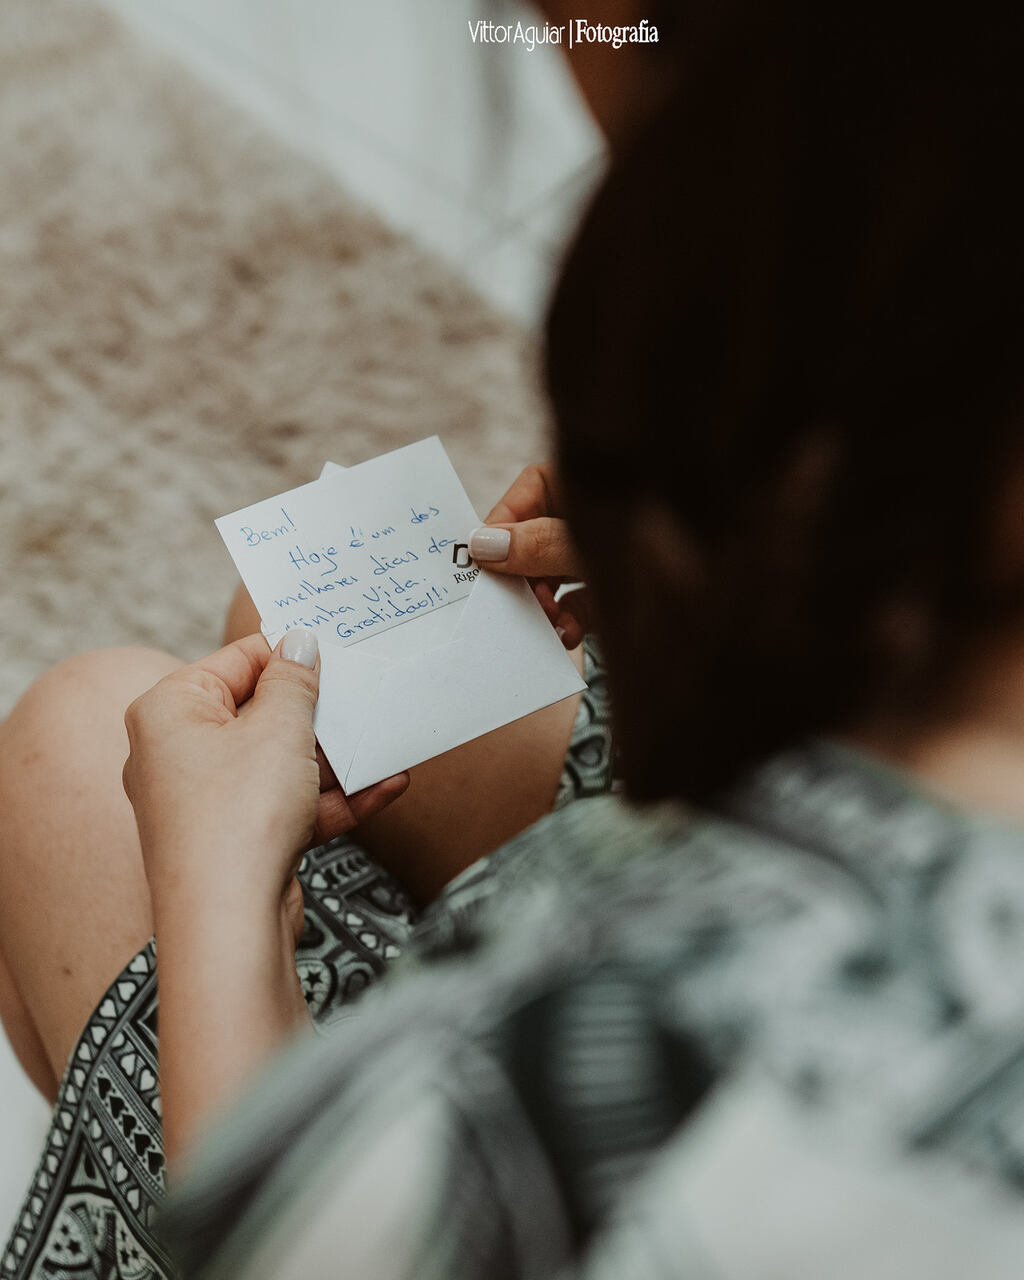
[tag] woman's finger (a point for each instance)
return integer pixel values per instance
(532, 494)
(328, 778)
(545, 594)
(338, 813)
(539, 548)
(576, 603)
(289, 685)
(570, 631)
(233, 670)
(568, 613)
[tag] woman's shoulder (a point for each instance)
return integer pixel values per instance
(830, 920)
(820, 833)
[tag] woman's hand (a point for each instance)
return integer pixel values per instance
(224, 772)
(228, 791)
(526, 535)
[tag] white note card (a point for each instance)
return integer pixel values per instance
(420, 651)
(360, 550)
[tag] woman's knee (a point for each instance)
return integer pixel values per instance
(82, 699)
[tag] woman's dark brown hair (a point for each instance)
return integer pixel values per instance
(793, 320)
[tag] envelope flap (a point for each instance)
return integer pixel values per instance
(349, 683)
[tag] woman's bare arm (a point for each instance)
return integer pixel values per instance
(225, 804)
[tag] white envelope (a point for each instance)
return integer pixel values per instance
(406, 694)
(400, 698)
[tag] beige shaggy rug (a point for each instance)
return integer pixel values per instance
(192, 318)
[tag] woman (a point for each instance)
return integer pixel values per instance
(784, 359)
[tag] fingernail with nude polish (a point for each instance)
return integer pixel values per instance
(489, 545)
(561, 633)
(300, 646)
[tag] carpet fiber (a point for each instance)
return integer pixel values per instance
(192, 318)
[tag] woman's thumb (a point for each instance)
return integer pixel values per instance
(538, 548)
(290, 682)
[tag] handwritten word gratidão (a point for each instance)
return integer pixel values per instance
(387, 609)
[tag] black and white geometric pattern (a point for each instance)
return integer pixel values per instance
(588, 766)
(356, 922)
(95, 1192)
(95, 1195)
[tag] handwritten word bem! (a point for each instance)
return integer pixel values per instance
(255, 537)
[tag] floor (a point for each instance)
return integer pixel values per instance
(482, 154)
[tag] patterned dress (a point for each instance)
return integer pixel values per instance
(90, 1211)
